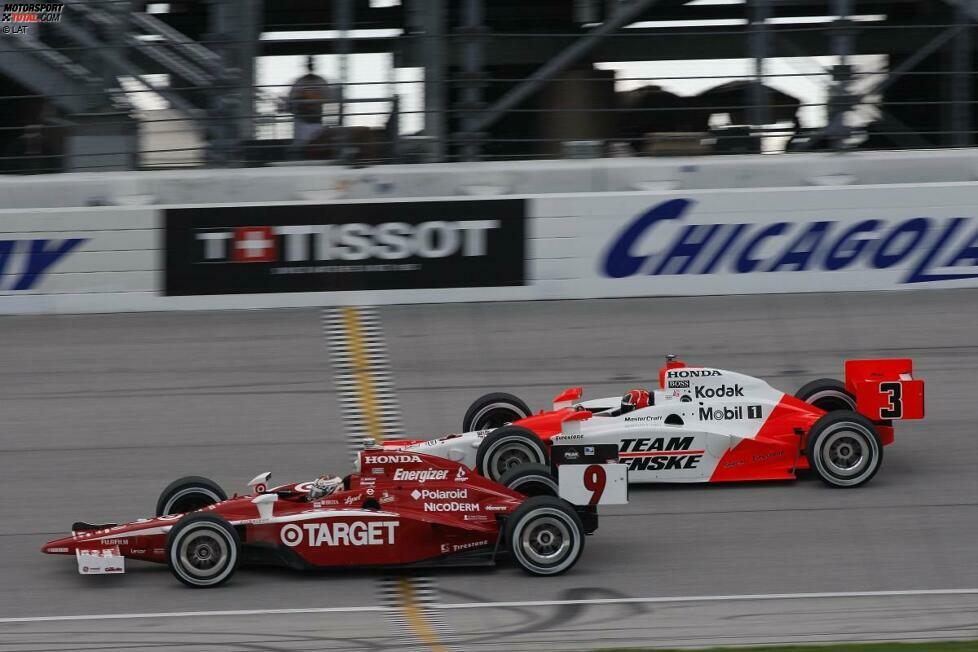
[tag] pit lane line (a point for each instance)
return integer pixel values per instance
(496, 605)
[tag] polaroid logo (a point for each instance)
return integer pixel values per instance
(357, 533)
(691, 373)
(304, 243)
(723, 391)
(928, 249)
(440, 494)
(421, 476)
(393, 459)
(23, 263)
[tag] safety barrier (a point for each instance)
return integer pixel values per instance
(583, 245)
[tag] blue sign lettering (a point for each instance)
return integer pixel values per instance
(38, 257)
(931, 249)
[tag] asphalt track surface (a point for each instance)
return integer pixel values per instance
(100, 412)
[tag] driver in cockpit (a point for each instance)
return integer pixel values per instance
(324, 485)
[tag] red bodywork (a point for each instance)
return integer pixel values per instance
(402, 508)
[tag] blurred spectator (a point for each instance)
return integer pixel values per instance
(307, 98)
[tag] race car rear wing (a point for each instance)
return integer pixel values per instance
(885, 389)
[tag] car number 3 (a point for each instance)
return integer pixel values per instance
(894, 407)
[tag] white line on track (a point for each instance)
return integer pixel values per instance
(495, 605)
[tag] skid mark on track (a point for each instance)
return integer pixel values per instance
(368, 401)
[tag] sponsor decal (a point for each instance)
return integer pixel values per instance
(339, 533)
(589, 450)
(729, 413)
(356, 246)
(692, 373)
(723, 391)
(478, 518)
(571, 455)
(456, 547)
(303, 487)
(116, 542)
(393, 459)
(24, 263)
(421, 475)
(567, 437)
(659, 454)
(659, 418)
(451, 507)
(62, 550)
(461, 475)
(440, 494)
(918, 249)
(137, 551)
(496, 508)
(768, 456)
(352, 499)
(678, 384)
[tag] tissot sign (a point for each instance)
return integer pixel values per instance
(331, 247)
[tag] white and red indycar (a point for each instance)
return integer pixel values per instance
(700, 425)
(400, 509)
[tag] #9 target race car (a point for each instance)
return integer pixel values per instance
(400, 509)
(700, 425)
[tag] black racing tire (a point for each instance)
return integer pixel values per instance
(827, 394)
(545, 536)
(530, 480)
(203, 550)
(189, 494)
(844, 449)
(494, 410)
(507, 447)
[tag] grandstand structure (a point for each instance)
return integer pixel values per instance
(500, 79)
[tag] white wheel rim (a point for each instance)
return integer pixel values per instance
(203, 554)
(846, 454)
(546, 542)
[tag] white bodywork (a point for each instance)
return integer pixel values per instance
(699, 416)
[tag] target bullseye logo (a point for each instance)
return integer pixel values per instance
(291, 535)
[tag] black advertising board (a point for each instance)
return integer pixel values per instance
(342, 247)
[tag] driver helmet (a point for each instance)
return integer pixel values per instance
(634, 399)
(324, 485)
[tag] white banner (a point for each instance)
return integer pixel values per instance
(581, 245)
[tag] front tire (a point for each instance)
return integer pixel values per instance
(844, 449)
(545, 536)
(494, 410)
(506, 448)
(189, 494)
(530, 480)
(203, 550)
(827, 394)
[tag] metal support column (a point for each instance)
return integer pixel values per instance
(840, 99)
(344, 23)
(760, 113)
(961, 81)
(473, 33)
(434, 57)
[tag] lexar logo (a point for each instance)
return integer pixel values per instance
(36, 257)
(930, 249)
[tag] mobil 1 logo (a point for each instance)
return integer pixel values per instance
(344, 247)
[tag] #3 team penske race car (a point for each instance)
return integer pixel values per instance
(399, 509)
(700, 425)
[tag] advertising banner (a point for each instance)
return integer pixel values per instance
(344, 247)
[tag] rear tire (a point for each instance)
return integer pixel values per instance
(506, 448)
(827, 394)
(494, 410)
(530, 480)
(203, 550)
(189, 494)
(844, 449)
(545, 536)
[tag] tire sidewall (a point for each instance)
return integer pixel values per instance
(184, 488)
(826, 389)
(537, 474)
(497, 441)
(183, 494)
(494, 401)
(857, 427)
(197, 524)
(527, 520)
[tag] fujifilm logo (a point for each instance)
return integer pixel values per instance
(691, 373)
(723, 391)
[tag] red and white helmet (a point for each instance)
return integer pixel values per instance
(635, 399)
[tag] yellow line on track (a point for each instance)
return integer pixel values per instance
(362, 372)
(415, 617)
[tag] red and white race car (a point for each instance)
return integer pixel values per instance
(701, 425)
(400, 509)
